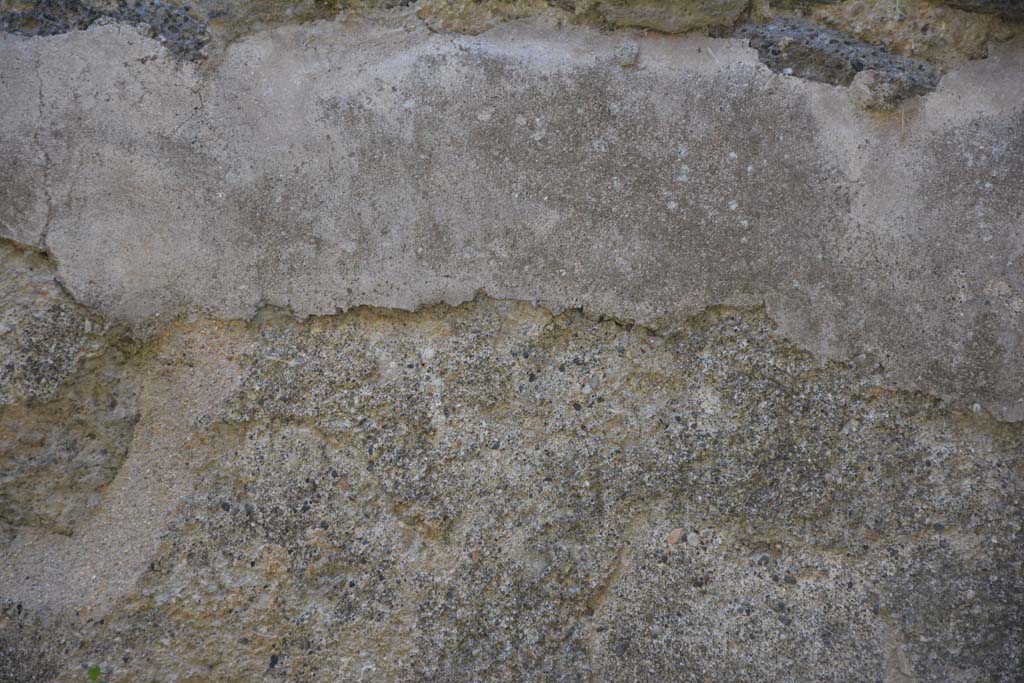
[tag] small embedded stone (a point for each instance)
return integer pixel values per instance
(626, 53)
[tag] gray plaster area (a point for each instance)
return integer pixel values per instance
(330, 165)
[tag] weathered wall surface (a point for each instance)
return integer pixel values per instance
(351, 350)
(527, 163)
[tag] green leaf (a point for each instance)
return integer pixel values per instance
(93, 673)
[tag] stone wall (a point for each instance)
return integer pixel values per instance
(506, 341)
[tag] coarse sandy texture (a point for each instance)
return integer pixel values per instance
(65, 417)
(494, 492)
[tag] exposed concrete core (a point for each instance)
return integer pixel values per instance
(496, 493)
(349, 350)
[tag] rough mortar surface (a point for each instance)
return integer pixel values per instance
(495, 492)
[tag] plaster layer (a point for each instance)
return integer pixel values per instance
(527, 163)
